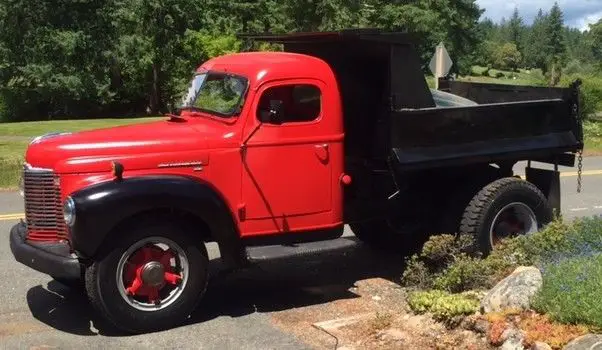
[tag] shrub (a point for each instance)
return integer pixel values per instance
(591, 92)
(500, 75)
(571, 290)
(465, 273)
(445, 265)
(444, 306)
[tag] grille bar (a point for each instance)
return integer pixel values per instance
(43, 207)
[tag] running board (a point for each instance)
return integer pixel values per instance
(276, 252)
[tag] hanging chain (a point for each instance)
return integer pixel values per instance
(576, 111)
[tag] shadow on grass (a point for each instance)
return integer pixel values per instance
(269, 287)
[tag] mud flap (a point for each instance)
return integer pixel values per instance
(548, 182)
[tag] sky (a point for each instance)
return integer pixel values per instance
(577, 13)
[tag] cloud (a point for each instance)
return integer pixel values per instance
(577, 13)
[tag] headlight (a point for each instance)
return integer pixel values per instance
(69, 211)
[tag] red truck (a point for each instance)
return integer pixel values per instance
(271, 154)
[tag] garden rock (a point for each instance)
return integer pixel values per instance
(513, 339)
(514, 291)
(586, 342)
(541, 346)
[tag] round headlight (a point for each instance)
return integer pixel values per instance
(69, 211)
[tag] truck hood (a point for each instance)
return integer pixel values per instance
(137, 146)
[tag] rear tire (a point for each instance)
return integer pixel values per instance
(522, 202)
(135, 313)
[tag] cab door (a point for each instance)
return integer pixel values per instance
(287, 165)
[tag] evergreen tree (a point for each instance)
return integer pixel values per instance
(556, 46)
(515, 29)
(535, 50)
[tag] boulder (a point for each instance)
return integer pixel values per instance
(585, 342)
(540, 346)
(514, 291)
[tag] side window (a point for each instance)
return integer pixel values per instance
(299, 102)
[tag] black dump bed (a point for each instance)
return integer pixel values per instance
(507, 122)
(390, 112)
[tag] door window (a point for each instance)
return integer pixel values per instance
(300, 102)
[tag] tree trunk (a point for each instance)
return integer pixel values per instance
(155, 99)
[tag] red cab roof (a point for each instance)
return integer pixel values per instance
(259, 67)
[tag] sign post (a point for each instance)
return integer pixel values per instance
(441, 63)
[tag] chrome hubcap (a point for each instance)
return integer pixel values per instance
(513, 220)
(153, 274)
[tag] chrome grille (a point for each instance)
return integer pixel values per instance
(43, 208)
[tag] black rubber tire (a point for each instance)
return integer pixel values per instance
(483, 208)
(101, 285)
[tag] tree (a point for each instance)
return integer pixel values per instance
(507, 56)
(515, 29)
(55, 57)
(556, 46)
(535, 50)
(595, 33)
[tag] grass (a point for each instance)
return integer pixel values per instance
(11, 155)
(15, 137)
(32, 129)
(522, 77)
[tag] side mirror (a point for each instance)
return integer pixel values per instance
(274, 115)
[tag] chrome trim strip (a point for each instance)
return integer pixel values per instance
(28, 167)
(47, 136)
(180, 165)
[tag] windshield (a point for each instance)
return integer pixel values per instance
(216, 93)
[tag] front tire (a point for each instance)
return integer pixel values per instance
(505, 208)
(149, 277)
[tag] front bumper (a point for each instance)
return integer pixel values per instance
(50, 258)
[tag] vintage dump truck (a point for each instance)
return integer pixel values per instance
(273, 154)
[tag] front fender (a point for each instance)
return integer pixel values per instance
(101, 207)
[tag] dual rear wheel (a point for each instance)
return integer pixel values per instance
(504, 208)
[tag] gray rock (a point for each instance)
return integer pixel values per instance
(513, 339)
(540, 346)
(586, 342)
(514, 291)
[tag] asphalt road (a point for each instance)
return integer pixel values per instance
(36, 312)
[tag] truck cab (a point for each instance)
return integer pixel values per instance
(273, 148)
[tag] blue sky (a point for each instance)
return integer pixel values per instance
(577, 13)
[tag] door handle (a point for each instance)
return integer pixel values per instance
(322, 152)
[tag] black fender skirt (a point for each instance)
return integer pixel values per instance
(101, 207)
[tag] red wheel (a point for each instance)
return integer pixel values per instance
(149, 277)
(152, 273)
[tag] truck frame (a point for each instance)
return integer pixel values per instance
(274, 148)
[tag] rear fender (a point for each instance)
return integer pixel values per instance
(548, 182)
(102, 207)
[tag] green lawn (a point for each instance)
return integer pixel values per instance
(14, 138)
(39, 128)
